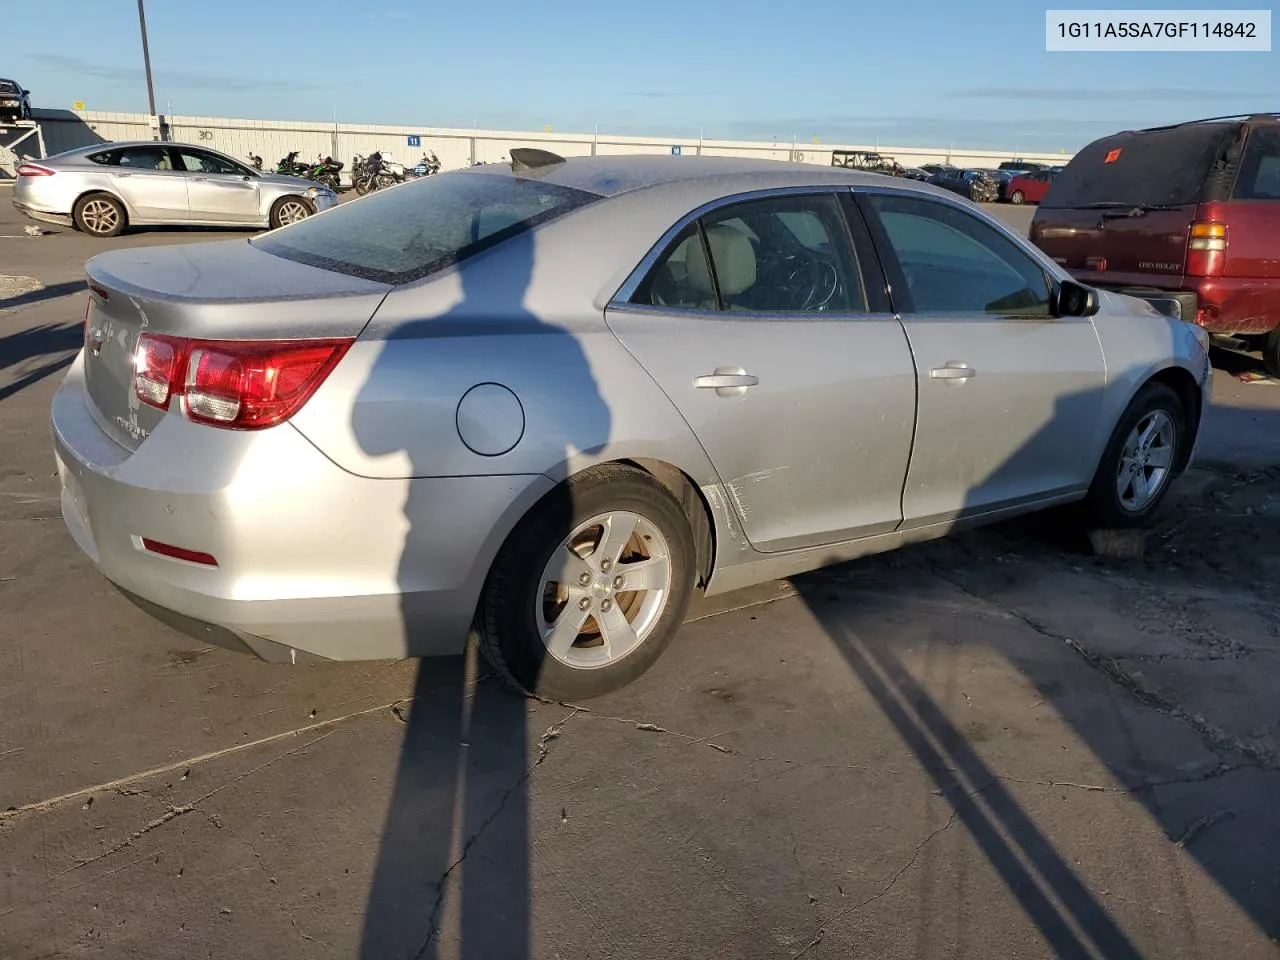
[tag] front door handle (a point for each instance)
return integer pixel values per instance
(117, 173)
(953, 370)
(726, 381)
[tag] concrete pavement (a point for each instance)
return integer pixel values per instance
(994, 746)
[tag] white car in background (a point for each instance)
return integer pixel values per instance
(102, 189)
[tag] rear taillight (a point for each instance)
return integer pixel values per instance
(239, 384)
(34, 170)
(1207, 249)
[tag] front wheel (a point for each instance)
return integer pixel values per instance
(1140, 460)
(589, 588)
(1017, 197)
(289, 210)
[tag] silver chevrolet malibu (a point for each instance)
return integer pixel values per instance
(107, 187)
(542, 404)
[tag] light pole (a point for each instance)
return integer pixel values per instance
(146, 62)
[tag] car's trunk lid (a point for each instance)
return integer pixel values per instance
(214, 291)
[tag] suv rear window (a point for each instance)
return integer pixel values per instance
(407, 232)
(1259, 177)
(1167, 167)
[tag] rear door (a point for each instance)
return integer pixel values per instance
(145, 179)
(774, 341)
(217, 189)
(1009, 395)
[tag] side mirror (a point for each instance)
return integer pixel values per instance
(1076, 300)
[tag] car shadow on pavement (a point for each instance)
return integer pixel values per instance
(51, 292)
(453, 870)
(54, 345)
(1161, 725)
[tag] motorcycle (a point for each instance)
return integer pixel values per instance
(428, 165)
(256, 161)
(377, 172)
(325, 171)
(291, 166)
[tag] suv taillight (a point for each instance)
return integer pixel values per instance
(34, 170)
(238, 384)
(1207, 249)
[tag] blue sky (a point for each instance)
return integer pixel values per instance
(919, 72)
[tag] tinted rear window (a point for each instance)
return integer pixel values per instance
(407, 232)
(1146, 168)
(1259, 177)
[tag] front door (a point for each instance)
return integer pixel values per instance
(756, 324)
(1009, 393)
(145, 179)
(218, 191)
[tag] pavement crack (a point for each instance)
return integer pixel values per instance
(650, 727)
(884, 890)
(551, 734)
(1214, 737)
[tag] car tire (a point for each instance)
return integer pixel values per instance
(1115, 499)
(1016, 197)
(571, 534)
(289, 210)
(1270, 348)
(99, 215)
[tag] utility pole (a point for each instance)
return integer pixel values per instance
(146, 62)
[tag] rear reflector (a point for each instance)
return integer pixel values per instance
(178, 553)
(240, 384)
(34, 170)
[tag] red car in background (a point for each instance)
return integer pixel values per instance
(1029, 187)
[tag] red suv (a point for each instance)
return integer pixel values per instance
(1185, 216)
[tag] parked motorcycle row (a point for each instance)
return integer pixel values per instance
(370, 173)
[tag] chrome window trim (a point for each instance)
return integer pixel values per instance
(621, 299)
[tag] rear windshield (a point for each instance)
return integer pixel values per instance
(1142, 168)
(407, 232)
(1259, 177)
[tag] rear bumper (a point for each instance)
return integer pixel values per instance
(47, 216)
(1242, 305)
(312, 561)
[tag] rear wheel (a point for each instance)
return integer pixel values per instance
(1140, 460)
(99, 215)
(289, 210)
(590, 587)
(1017, 197)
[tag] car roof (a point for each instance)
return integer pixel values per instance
(615, 175)
(119, 144)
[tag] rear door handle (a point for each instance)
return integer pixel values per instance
(726, 381)
(116, 173)
(953, 370)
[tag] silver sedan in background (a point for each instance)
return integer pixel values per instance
(104, 188)
(543, 404)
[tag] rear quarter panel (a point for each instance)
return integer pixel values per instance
(528, 315)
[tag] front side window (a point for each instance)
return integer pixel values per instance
(197, 161)
(953, 263)
(399, 235)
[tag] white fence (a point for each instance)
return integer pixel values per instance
(272, 139)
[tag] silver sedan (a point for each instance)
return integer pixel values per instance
(104, 188)
(541, 405)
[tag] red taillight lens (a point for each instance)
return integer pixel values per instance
(34, 170)
(1207, 249)
(244, 385)
(156, 365)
